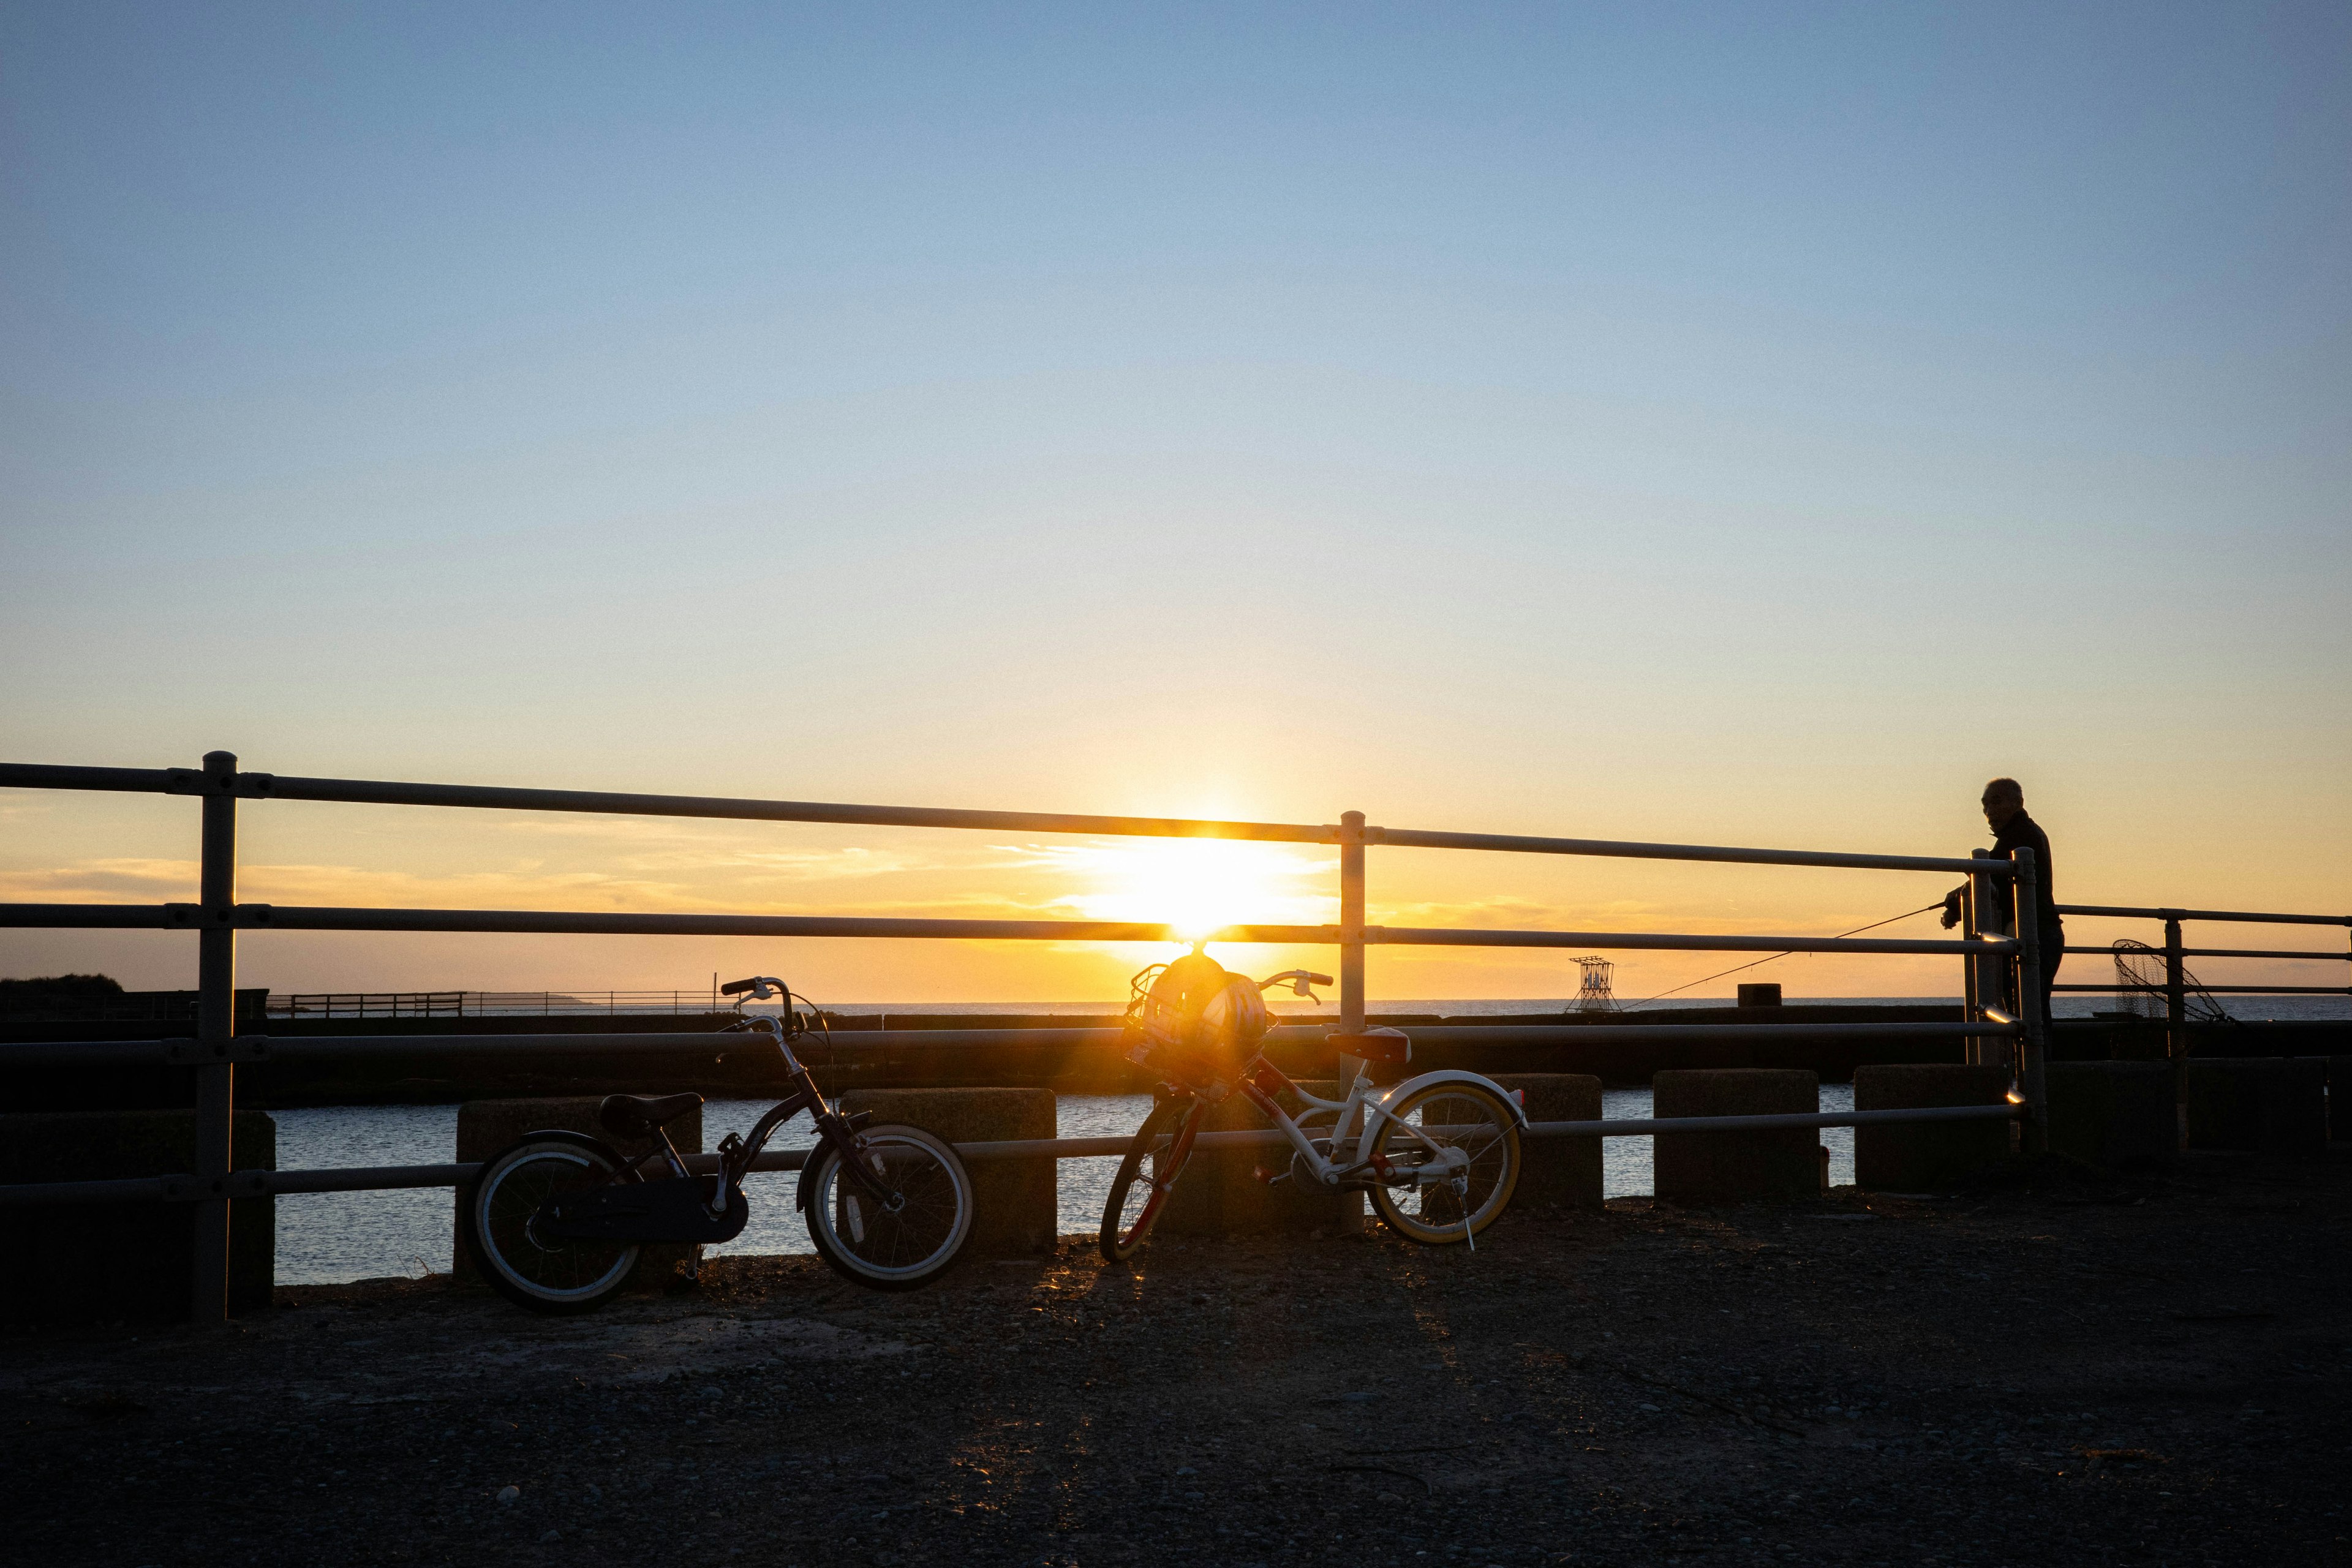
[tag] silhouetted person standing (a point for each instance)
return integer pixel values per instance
(2004, 809)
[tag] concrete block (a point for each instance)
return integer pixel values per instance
(1219, 1193)
(2339, 1099)
(1710, 1167)
(108, 1262)
(1015, 1202)
(2114, 1115)
(1919, 1157)
(485, 1127)
(2294, 1121)
(2274, 1105)
(1557, 1172)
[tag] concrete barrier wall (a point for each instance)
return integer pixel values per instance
(2114, 1115)
(1015, 1202)
(108, 1262)
(485, 1127)
(2271, 1105)
(1716, 1167)
(1557, 1172)
(1918, 1157)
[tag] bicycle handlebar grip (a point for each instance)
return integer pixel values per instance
(736, 987)
(1320, 980)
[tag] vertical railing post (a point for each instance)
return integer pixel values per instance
(1973, 974)
(1980, 907)
(1971, 1004)
(215, 1026)
(1352, 923)
(2026, 925)
(2176, 992)
(1351, 978)
(2176, 1028)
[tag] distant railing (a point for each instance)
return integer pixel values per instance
(216, 917)
(488, 1004)
(2176, 972)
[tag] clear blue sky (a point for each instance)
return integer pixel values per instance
(1733, 424)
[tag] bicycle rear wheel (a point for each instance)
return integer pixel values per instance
(1449, 1117)
(880, 1246)
(1147, 1172)
(555, 1275)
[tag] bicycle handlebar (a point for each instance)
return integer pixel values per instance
(1300, 979)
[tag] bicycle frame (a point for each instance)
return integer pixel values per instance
(736, 1154)
(1357, 1120)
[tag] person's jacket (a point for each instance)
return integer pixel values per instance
(2023, 832)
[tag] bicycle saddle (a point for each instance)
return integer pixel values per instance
(636, 1115)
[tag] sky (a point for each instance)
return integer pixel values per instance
(1737, 424)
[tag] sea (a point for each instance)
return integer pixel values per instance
(335, 1237)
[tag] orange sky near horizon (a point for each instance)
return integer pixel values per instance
(123, 849)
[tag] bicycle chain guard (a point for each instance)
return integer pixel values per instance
(673, 1208)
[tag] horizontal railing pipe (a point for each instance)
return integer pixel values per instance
(1513, 843)
(127, 1190)
(298, 917)
(381, 1178)
(2123, 912)
(290, 917)
(339, 1047)
(1447, 936)
(148, 781)
(2242, 990)
(103, 916)
(2220, 953)
(373, 791)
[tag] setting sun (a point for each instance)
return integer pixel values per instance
(1199, 884)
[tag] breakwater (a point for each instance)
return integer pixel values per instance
(1069, 1054)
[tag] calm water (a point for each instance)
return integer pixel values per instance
(329, 1238)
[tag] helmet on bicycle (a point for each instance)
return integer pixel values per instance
(1199, 1023)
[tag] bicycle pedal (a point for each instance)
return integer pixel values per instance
(1269, 1178)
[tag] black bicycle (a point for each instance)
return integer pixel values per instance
(555, 1222)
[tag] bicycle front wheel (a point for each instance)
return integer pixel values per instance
(547, 1274)
(1147, 1172)
(914, 1237)
(1466, 1132)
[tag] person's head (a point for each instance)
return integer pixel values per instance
(2004, 798)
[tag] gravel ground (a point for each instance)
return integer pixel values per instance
(2051, 1371)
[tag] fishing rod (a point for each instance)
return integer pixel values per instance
(1759, 964)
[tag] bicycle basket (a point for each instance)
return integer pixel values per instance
(1195, 1022)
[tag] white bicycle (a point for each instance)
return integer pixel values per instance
(1438, 1154)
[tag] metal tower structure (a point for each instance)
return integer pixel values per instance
(1595, 996)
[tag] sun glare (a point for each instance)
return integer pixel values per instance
(1199, 884)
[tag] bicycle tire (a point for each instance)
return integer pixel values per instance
(558, 1277)
(1434, 1214)
(885, 1249)
(1125, 1227)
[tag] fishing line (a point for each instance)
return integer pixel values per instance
(1739, 969)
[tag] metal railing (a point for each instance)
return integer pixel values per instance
(2176, 974)
(217, 916)
(488, 1004)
